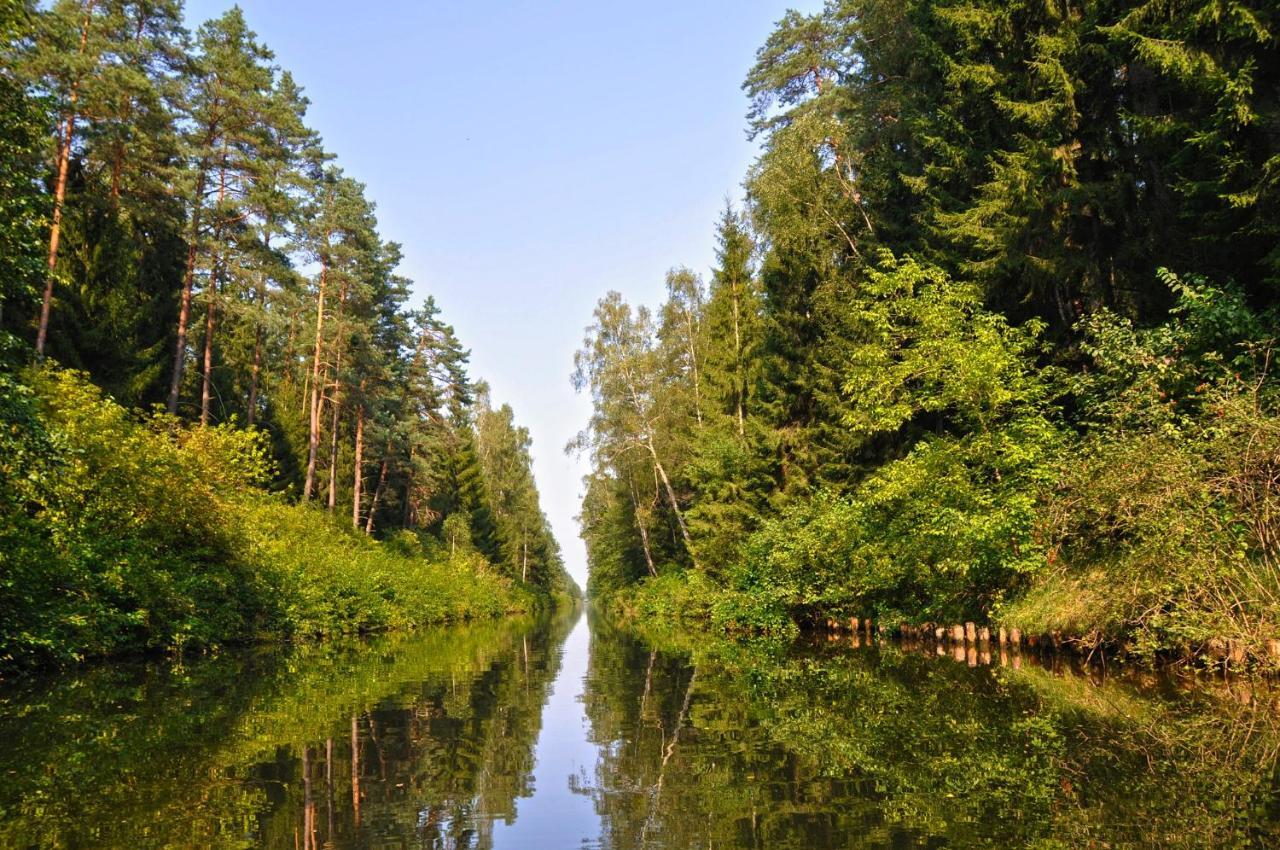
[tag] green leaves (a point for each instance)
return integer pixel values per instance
(120, 534)
(918, 343)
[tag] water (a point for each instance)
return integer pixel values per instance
(567, 733)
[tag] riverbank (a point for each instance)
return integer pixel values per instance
(695, 602)
(125, 533)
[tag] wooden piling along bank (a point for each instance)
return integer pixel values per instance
(969, 640)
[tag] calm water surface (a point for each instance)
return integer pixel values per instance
(567, 733)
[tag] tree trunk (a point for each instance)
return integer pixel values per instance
(691, 329)
(211, 307)
(409, 506)
(671, 495)
(210, 321)
(188, 281)
(256, 371)
(55, 228)
(377, 495)
(313, 439)
(333, 444)
(254, 374)
(739, 389)
(184, 317)
(126, 111)
(337, 403)
(357, 480)
(644, 532)
(60, 187)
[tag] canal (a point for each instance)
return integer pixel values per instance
(566, 732)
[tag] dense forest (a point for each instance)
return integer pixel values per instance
(220, 416)
(989, 339)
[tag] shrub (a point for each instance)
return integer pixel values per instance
(125, 533)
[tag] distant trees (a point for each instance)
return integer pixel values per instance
(173, 226)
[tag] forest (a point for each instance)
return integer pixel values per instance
(221, 418)
(989, 338)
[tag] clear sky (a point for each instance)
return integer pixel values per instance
(531, 156)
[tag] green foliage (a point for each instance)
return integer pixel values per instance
(1160, 525)
(23, 207)
(122, 533)
(948, 373)
(195, 245)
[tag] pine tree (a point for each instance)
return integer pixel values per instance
(229, 89)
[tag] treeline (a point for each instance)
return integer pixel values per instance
(990, 340)
(171, 226)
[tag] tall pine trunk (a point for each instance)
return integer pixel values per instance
(313, 437)
(333, 444)
(60, 188)
(118, 149)
(739, 389)
(211, 297)
(255, 372)
(377, 496)
(357, 478)
(337, 403)
(188, 281)
(210, 323)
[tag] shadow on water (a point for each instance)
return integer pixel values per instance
(430, 740)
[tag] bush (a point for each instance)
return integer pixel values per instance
(1162, 529)
(122, 533)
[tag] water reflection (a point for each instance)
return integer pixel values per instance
(845, 744)
(550, 734)
(420, 740)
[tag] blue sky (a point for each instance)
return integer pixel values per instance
(530, 157)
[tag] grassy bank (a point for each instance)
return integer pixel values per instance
(123, 533)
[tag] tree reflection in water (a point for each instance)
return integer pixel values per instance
(429, 740)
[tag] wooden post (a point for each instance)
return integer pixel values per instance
(853, 624)
(939, 633)
(1004, 637)
(1273, 651)
(1216, 649)
(984, 635)
(1015, 637)
(957, 634)
(971, 632)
